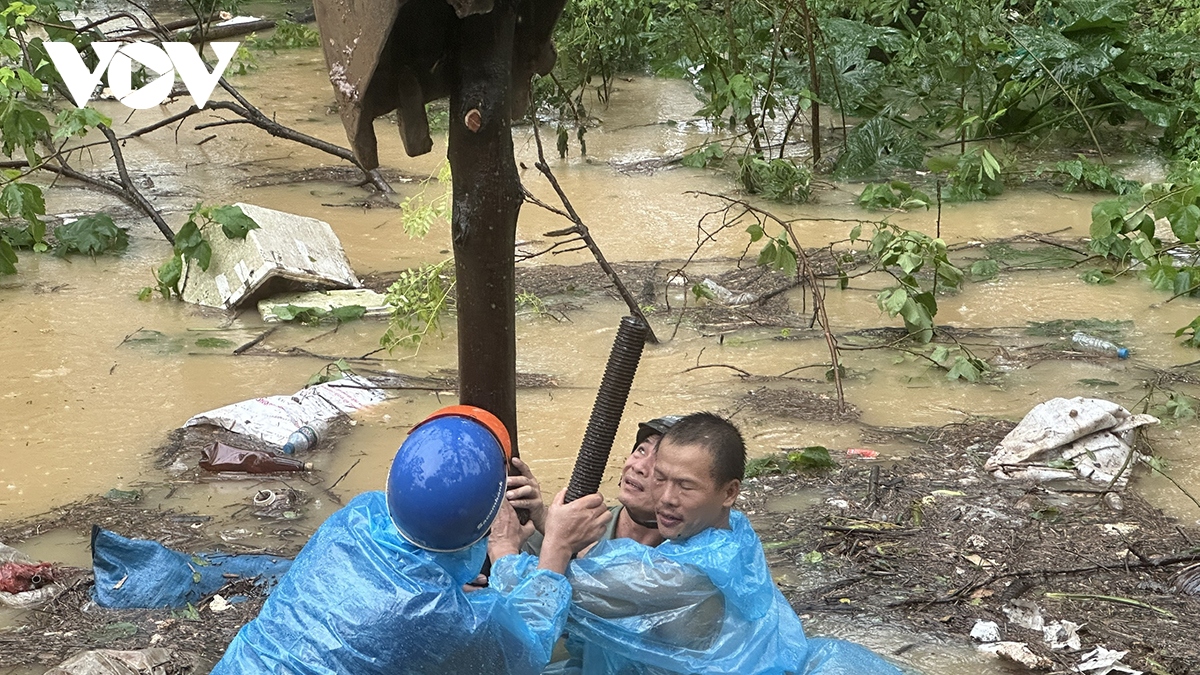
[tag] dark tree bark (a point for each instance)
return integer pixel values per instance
(486, 200)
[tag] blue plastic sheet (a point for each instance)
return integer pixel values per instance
(139, 573)
(707, 605)
(360, 599)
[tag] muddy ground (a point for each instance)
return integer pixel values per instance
(929, 543)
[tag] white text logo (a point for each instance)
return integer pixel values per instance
(118, 57)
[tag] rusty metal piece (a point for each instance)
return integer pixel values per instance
(473, 120)
(393, 55)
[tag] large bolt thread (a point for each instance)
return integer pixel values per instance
(608, 409)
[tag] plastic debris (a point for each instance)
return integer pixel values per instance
(861, 453)
(985, 631)
(1068, 438)
(725, 296)
(1016, 651)
(144, 574)
(374, 303)
(1063, 635)
(1101, 661)
(221, 457)
(1091, 343)
(1025, 614)
(152, 661)
(272, 419)
(219, 604)
(286, 252)
(25, 583)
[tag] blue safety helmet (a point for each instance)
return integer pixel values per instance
(448, 478)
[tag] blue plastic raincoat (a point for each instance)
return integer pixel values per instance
(707, 605)
(359, 599)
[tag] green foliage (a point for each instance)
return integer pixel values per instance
(416, 303)
(90, 235)
(877, 149)
(974, 176)
(419, 213)
(1190, 330)
(315, 316)
(776, 253)
(713, 152)
(1084, 174)
(27, 79)
(780, 180)
(982, 270)
(287, 35)
(892, 195)
(959, 363)
(812, 458)
(921, 267)
(190, 243)
(1124, 231)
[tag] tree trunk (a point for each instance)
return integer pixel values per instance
(487, 199)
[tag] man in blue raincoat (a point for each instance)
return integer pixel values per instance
(704, 600)
(379, 589)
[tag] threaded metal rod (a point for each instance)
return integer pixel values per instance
(608, 409)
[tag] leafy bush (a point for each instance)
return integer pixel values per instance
(417, 301)
(893, 195)
(780, 180)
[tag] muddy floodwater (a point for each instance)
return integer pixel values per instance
(86, 398)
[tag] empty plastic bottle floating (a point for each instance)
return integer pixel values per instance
(304, 438)
(1090, 343)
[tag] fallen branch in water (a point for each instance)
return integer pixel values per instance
(578, 232)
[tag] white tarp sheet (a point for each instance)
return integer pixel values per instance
(1068, 438)
(273, 418)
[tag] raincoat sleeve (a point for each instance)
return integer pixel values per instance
(359, 600)
(707, 606)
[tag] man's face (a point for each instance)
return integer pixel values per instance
(637, 479)
(687, 496)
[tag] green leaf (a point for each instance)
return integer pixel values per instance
(90, 235)
(234, 223)
(755, 231)
(982, 270)
(23, 200)
(78, 121)
(855, 232)
(169, 274)
(812, 457)
(965, 369)
(1098, 277)
(1185, 223)
(8, 257)
(202, 255)
(348, 313)
(188, 237)
(892, 301)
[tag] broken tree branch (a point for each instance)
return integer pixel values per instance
(805, 269)
(580, 229)
(131, 192)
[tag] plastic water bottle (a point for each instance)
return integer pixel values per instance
(1089, 343)
(302, 439)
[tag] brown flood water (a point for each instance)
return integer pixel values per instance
(81, 408)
